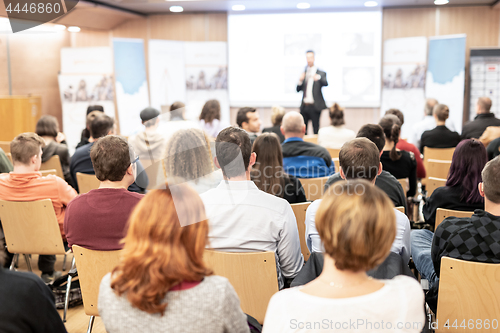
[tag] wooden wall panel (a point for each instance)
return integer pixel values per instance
(185, 27)
(132, 29)
(412, 22)
(91, 38)
(217, 27)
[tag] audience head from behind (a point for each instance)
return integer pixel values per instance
(114, 161)
(441, 112)
(483, 105)
(396, 113)
(92, 108)
(26, 152)
(277, 114)
(150, 118)
(234, 153)
(374, 133)
(360, 159)
(210, 111)
(95, 109)
(187, 156)
(293, 125)
(430, 103)
(392, 129)
(158, 228)
(490, 186)
(102, 125)
(467, 163)
(177, 111)
(337, 115)
(267, 172)
(248, 119)
(47, 126)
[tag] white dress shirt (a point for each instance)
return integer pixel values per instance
(308, 96)
(401, 244)
(243, 218)
(426, 124)
(334, 136)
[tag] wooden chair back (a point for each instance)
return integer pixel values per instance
(334, 153)
(437, 169)
(311, 138)
(154, 170)
(5, 145)
(45, 173)
(445, 154)
(299, 209)
(404, 184)
(313, 187)
(92, 266)
(31, 227)
(336, 162)
(86, 183)
(53, 163)
(401, 209)
(252, 275)
(433, 183)
(468, 291)
(442, 213)
(9, 156)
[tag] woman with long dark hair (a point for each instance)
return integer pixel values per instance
(401, 164)
(210, 118)
(460, 192)
(268, 174)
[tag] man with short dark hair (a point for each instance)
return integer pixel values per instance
(385, 181)
(97, 220)
(26, 183)
(248, 119)
(473, 239)
(440, 136)
(101, 126)
(484, 118)
(150, 144)
(303, 159)
(360, 159)
(244, 219)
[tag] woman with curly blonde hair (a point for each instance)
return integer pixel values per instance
(161, 283)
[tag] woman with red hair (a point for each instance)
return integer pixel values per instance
(162, 283)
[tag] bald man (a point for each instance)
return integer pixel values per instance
(300, 158)
(484, 118)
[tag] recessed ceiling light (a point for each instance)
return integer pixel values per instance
(238, 7)
(303, 5)
(59, 27)
(74, 29)
(371, 4)
(441, 2)
(176, 9)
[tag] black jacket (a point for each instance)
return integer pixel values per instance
(439, 137)
(493, 149)
(405, 167)
(319, 101)
(475, 128)
(276, 130)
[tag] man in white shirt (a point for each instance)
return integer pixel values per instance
(360, 158)
(428, 123)
(244, 219)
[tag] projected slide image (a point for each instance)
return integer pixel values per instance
(298, 44)
(358, 44)
(358, 81)
(207, 78)
(404, 77)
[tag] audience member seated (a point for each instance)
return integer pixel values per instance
(460, 192)
(248, 119)
(401, 164)
(27, 303)
(440, 136)
(88, 120)
(162, 283)
(406, 146)
(335, 135)
(427, 123)
(493, 149)
(490, 133)
(177, 121)
(47, 127)
(277, 114)
(188, 158)
(360, 159)
(5, 165)
(303, 159)
(245, 219)
(150, 144)
(473, 239)
(210, 118)
(267, 172)
(97, 220)
(101, 126)
(474, 129)
(26, 183)
(357, 226)
(385, 181)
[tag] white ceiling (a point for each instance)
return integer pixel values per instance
(162, 6)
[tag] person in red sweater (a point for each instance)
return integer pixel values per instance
(98, 219)
(406, 146)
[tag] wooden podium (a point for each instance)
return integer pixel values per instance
(18, 114)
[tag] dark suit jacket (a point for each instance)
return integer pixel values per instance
(439, 137)
(319, 101)
(276, 130)
(475, 128)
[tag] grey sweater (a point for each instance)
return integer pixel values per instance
(212, 306)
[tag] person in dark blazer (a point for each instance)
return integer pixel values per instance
(484, 118)
(311, 82)
(277, 114)
(440, 136)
